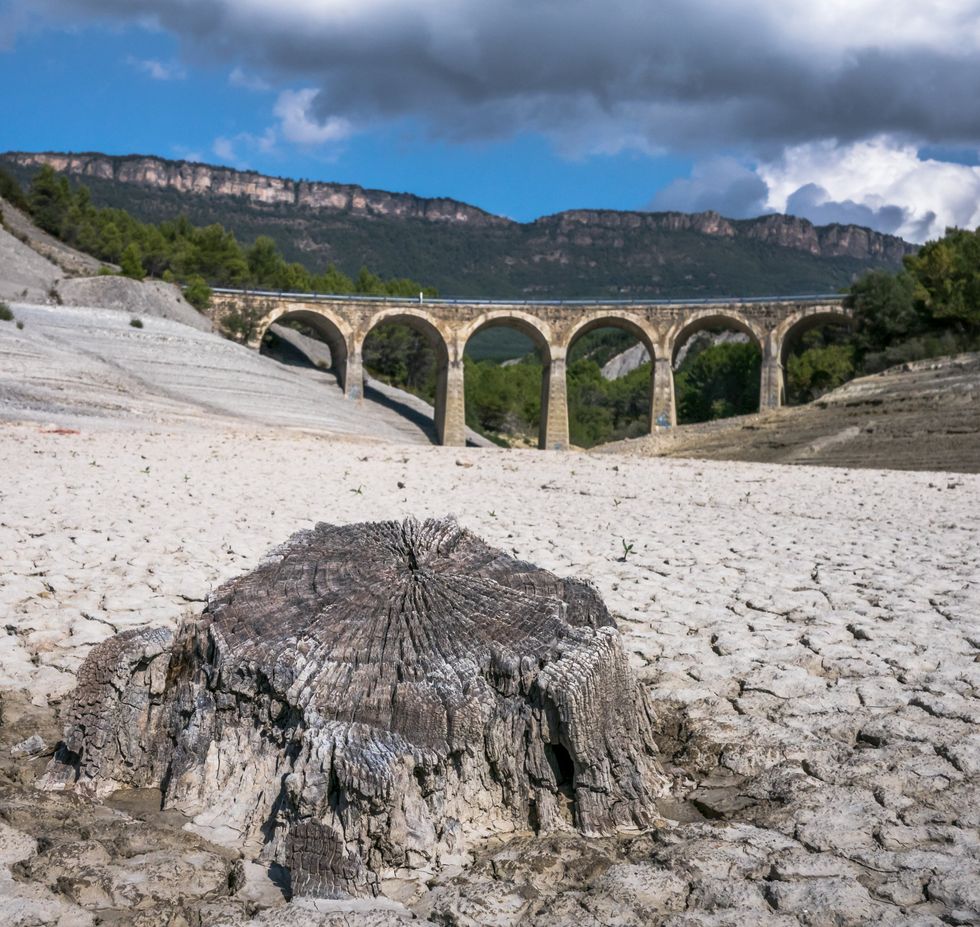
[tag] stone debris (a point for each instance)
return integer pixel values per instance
(30, 748)
(371, 701)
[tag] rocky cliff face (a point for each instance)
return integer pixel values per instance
(582, 228)
(592, 226)
(204, 180)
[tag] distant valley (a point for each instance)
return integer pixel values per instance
(464, 251)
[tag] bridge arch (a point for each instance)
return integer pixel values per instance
(791, 329)
(707, 319)
(535, 328)
(436, 335)
(634, 325)
(787, 333)
(540, 335)
(334, 330)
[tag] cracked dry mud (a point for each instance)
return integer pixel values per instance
(809, 640)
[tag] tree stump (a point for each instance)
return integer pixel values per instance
(374, 699)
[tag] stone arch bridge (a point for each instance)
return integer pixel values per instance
(662, 327)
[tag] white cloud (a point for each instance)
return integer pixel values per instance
(158, 70)
(224, 148)
(879, 174)
(297, 124)
(230, 150)
(599, 75)
(722, 184)
(187, 154)
(240, 78)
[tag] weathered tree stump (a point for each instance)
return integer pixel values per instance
(372, 699)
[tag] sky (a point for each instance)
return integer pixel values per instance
(855, 111)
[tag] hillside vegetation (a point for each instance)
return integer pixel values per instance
(463, 251)
(176, 249)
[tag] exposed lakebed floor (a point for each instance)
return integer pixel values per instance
(810, 638)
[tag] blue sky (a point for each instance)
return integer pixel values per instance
(863, 112)
(124, 90)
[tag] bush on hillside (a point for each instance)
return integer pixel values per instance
(198, 293)
(10, 190)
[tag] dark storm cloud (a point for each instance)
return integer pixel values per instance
(721, 184)
(590, 75)
(813, 202)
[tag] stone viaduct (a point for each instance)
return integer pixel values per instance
(662, 327)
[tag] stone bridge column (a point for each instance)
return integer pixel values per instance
(663, 408)
(451, 405)
(771, 385)
(351, 371)
(553, 434)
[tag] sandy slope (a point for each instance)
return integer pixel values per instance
(24, 274)
(917, 416)
(72, 366)
(68, 261)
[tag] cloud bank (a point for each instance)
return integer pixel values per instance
(676, 73)
(771, 83)
(882, 183)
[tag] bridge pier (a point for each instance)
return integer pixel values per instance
(772, 381)
(351, 372)
(663, 407)
(450, 411)
(553, 433)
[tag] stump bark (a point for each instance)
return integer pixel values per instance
(372, 700)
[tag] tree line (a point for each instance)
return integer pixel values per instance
(196, 257)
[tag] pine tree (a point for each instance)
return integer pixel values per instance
(131, 262)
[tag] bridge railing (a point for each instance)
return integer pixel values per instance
(441, 301)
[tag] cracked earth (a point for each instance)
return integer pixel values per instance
(810, 639)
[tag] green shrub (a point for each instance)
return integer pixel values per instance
(198, 293)
(136, 323)
(6, 314)
(131, 262)
(10, 190)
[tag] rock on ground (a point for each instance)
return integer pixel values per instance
(137, 297)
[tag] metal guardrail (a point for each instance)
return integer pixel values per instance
(350, 297)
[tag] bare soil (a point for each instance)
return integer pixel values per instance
(920, 416)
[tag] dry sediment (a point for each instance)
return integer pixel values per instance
(808, 638)
(918, 416)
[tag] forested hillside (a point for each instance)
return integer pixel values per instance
(463, 251)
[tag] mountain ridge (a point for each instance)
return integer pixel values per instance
(466, 250)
